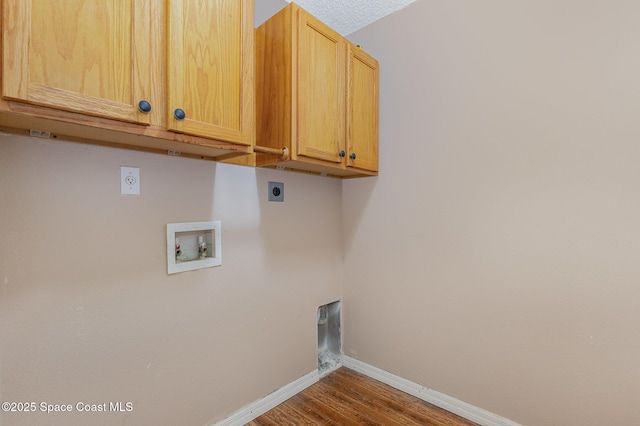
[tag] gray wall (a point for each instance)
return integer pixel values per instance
(495, 258)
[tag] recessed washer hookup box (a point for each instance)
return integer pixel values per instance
(193, 245)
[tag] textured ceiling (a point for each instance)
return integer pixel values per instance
(347, 16)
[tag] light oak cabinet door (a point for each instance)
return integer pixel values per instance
(362, 110)
(90, 57)
(210, 69)
(321, 90)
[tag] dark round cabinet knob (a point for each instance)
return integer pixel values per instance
(342, 153)
(144, 106)
(179, 114)
(353, 156)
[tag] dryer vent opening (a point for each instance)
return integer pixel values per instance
(329, 339)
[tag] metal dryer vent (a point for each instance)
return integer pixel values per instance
(329, 338)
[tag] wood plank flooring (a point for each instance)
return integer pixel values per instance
(348, 398)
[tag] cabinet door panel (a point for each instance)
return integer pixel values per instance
(321, 90)
(210, 67)
(362, 111)
(83, 56)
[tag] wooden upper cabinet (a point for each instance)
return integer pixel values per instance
(321, 90)
(362, 110)
(90, 57)
(117, 70)
(316, 96)
(211, 69)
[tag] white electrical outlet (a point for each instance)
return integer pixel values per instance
(129, 180)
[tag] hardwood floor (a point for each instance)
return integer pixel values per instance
(348, 398)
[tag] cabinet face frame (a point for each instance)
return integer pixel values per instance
(22, 55)
(321, 84)
(184, 82)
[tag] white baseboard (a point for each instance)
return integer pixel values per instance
(455, 406)
(275, 398)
